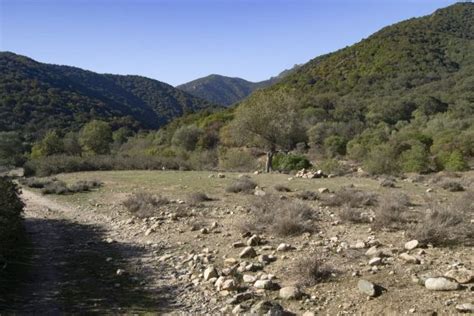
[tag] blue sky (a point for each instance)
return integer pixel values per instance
(176, 41)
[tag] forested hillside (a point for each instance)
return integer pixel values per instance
(226, 90)
(35, 97)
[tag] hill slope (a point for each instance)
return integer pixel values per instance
(36, 96)
(226, 91)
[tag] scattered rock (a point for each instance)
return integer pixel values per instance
(253, 241)
(247, 278)
(441, 284)
(368, 288)
(290, 293)
(267, 308)
(409, 258)
(238, 244)
(259, 192)
(284, 247)
(375, 261)
(412, 244)
(323, 190)
(266, 285)
(210, 273)
(465, 308)
(248, 252)
(221, 175)
(461, 275)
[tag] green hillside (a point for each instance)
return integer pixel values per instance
(226, 91)
(35, 97)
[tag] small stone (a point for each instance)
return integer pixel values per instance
(210, 273)
(461, 275)
(248, 252)
(373, 252)
(259, 192)
(247, 278)
(465, 308)
(239, 298)
(283, 247)
(323, 190)
(229, 285)
(253, 241)
(265, 284)
(412, 244)
(368, 288)
(238, 244)
(308, 313)
(149, 231)
(120, 272)
(358, 245)
(204, 231)
(230, 261)
(375, 261)
(409, 258)
(290, 293)
(221, 175)
(441, 284)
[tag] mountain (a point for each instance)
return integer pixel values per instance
(226, 91)
(35, 97)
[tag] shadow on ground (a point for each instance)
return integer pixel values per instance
(73, 269)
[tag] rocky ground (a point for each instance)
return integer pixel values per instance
(207, 257)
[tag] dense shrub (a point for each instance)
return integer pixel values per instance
(307, 195)
(332, 166)
(353, 215)
(197, 198)
(244, 185)
(55, 187)
(11, 208)
(62, 164)
(452, 186)
(382, 159)
(144, 204)
(279, 217)
(234, 159)
(281, 188)
(391, 211)
(351, 197)
(282, 162)
(311, 270)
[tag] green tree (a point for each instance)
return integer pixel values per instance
(51, 144)
(95, 138)
(270, 123)
(11, 148)
(187, 137)
(415, 159)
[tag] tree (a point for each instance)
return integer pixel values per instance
(51, 144)
(187, 137)
(269, 122)
(11, 148)
(95, 137)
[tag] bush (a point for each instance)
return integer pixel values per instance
(332, 166)
(352, 215)
(35, 183)
(144, 204)
(452, 186)
(11, 209)
(289, 162)
(197, 198)
(279, 217)
(84, 186)
(447, 225)
(382, 159)
(352, 198)
(415, 159)
(281, 188)
(308, 196)
(454, 162)
(391, 211)
(235, 159)
(244, 185)
(55, 187)
(311, 270)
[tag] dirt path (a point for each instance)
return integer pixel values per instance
(74, 266)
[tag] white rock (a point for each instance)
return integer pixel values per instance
(247, 278)
(409, 258)
(462, 275)
(375, 261)
(290, 293)
(441, 284)
(465, 308)
(248, 252)
(264, 284)
(283, 247)
(210, 273)
(412, 244)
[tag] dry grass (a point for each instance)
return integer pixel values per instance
(391, 211)
(281, 188)
(348, 214)
(447, 225)
(308, 196)
(452, 186)
(279, 217)
(351, 197)
(144, 204)
(244, 185)
(312, 270)
(197, 198)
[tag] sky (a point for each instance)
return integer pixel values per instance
(176, 41)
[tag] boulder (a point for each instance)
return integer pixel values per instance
(248, 252)
(290, 293)
(367, 288)
(462, 275)
(441, 284)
